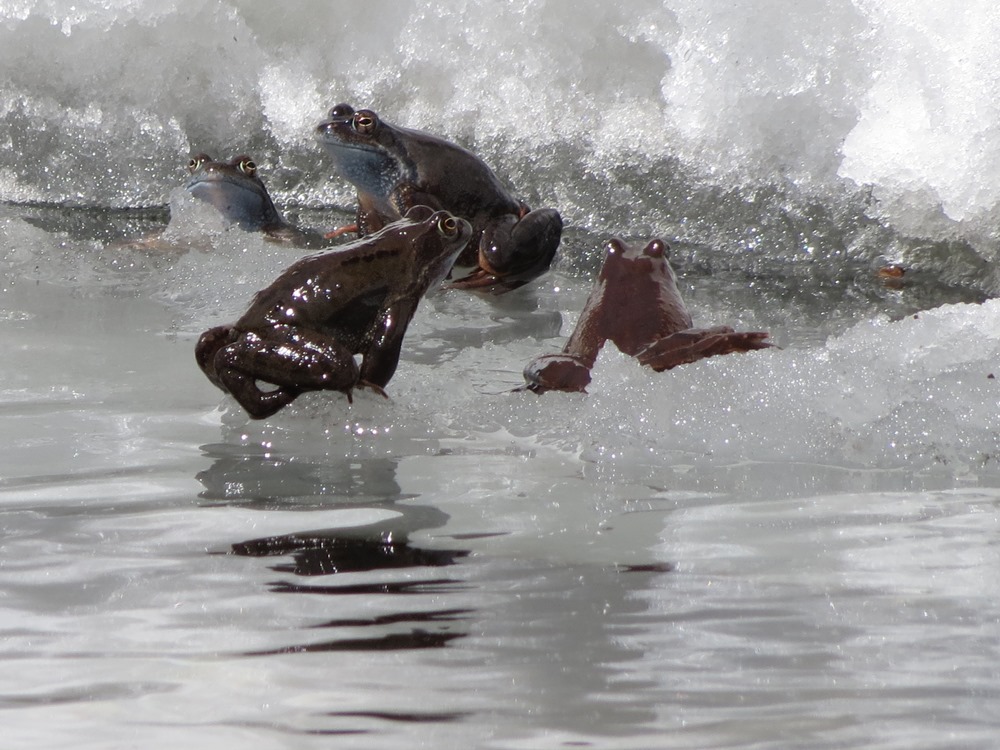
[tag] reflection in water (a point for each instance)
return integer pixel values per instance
(561, 639)
(443, 615)
(416, 639)
(249, 477)
(248, 474)
(399, 717)
(319, 555)
(315, 554)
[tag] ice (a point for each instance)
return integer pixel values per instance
(928, 121)
(914, 395)
(823, 137)
(761, 129)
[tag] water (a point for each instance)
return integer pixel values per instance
(791, 548)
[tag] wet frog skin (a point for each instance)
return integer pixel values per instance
(239, 194)
(395, 168)
(635, 304)
(301, 333)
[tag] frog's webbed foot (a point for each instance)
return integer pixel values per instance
(514, 250)
(556, 372)
(261, 404)
(346, 229)
(693, 344)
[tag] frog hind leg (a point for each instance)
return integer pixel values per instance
(209, 344)
(693, 344)
(515, 250)
(293, 363)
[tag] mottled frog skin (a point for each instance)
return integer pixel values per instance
(635, 304)
(301, 333)
(395, 168)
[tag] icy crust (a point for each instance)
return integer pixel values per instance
(822, 131)
(917, 394)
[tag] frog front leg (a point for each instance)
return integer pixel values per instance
(514, 250)
(380, 360)
(292, 360)
(368, 219)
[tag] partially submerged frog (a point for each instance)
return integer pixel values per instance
(636, 305)
(301, 333)
(395, 168)
(235, 189)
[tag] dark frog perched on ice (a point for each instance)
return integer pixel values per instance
(395, 168)
(240, 196)
(636, 305)
(301, 333)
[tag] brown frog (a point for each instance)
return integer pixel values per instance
(301, 333)
(636, 305)
(395, 168)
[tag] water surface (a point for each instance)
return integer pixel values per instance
(792, 548)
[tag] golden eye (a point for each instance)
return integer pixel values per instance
(365, 122)
(247, 167)
(448, 226)
(197, 160)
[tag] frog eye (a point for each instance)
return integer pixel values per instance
(197, 160)
(657, 249)
(247, 166)
(447, 226)
(339, 111)
(365, 122)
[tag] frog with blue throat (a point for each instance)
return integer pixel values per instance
(635, 304)
(395, 168)
(301, 333)
(239, 194)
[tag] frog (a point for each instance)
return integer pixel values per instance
(394, 168)
(635, 303)
(302, 332)
(239, 194)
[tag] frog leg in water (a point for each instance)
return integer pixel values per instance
(693, 344)
(294, 361)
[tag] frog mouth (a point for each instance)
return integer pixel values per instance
(220, 180)
(336, 143)
(240, 201)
